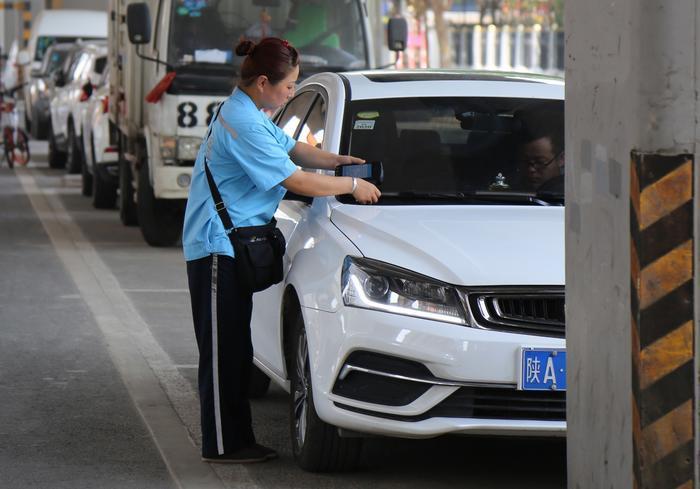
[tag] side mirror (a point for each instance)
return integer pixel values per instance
(23, 58)
(138, 23)
(397, 33)
(86, 92)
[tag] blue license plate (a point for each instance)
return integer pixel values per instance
(543, 370)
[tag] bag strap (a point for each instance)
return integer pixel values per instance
(218, 201)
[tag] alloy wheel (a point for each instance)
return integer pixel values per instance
(302, 389)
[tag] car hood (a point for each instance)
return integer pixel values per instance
(463, 245)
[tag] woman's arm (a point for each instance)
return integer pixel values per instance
(308, 156)
(317, 185)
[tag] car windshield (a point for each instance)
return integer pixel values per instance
(53, 60)
(472, 150)
(328, 33)
(44, 42)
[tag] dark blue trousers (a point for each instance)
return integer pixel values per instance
(221, 310)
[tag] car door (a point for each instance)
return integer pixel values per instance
(266, 320)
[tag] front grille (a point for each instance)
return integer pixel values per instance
(538, 313)
(489, 403)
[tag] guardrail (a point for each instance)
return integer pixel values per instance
(509, 48)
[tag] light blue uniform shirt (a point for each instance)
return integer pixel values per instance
(248, 156)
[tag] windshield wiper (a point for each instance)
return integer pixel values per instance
(475, 195)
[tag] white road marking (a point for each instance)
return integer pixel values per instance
(163, 397)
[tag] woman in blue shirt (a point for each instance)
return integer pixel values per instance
(253, 163)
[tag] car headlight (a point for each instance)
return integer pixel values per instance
(168, 150)
(187, 148)
(370, 284)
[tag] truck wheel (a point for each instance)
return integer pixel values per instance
(127, 206)
(259, 383)
(57, 159)
(160, 220)
(73, 155)
(316, 445)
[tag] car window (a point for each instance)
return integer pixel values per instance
(313, 129)
(44, 42)
(53, 60)
(80, 64)
(459, 146)
(100, 64)
(294, 113)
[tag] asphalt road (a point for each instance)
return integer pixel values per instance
(98, 370)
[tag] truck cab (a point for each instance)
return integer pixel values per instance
(173, 62)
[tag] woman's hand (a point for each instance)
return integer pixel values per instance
(348, 160)
(366, 192)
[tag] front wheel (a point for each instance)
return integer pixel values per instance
(74, 155)
(316, 445)
(127, 206)
(160, 219)
(57, 158)
(16, 147)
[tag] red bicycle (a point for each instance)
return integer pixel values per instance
(15, 142)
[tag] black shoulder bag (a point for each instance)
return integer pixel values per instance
(259, 249)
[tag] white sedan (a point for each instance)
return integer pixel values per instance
(440, 309)
(100, 170)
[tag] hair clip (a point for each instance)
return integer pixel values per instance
(286, 44)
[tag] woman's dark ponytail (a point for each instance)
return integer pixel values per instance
(273, 57)
(245, 48)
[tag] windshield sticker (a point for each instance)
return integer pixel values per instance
(364, 125)
(368, 115)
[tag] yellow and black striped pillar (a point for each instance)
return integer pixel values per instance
(25, 10)
(663, 380)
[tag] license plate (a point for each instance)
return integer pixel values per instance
(542, 370)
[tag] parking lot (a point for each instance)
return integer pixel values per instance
(99, 383)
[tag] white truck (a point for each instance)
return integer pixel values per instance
(178, 55)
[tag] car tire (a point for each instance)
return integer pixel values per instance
(74, 155)
(259, 383)
(316, 445)
(40, 127)
(57, 159)
(104, 193)
(127, 206)
(87, 181)
(160, 220)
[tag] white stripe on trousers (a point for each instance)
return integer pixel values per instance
(215, 353)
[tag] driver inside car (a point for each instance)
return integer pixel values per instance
(541, 156)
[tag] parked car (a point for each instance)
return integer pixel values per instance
(69, 97)
(101, 157)
(41, 88)
(440, 309)
(60, 26)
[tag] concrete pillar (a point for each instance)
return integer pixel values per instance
(632, 117)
